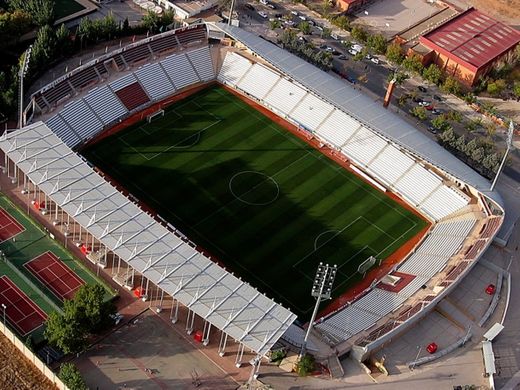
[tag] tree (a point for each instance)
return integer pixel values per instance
(325, 33)
(274, 24)
(471, 146)
(400, 77)
(71, 377)
(305, 27)
(13, 25)
(359, 34)
(413, 63)
(91, 310)
(43, 50)
(419, 112)
(432, 74)
(126, 26)
(63, 42)
(65, 332)
(305, 365)
(478, 155)
(497, 87)
(341, 21)
(440, 122)
(394, 53)
(454, 116)
(516, 89)
(451, 85)
(460, 144)
(377, 43)
(151, 21)
(448, 137)
(42, 11)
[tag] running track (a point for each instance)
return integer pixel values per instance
(9, 227)
(54, 274)
(21, 311)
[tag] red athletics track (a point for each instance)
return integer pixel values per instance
(21, 311)
(9, 227)
(54, 274)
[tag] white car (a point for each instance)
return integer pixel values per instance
(262, 14)
(264, 2)
(353, 52)
(295, 13)
(289, 22)
(302, 17)
(375, 60)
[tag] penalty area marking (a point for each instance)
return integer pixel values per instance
(266, 180)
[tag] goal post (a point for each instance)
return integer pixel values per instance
(366, 265)
(153, 115)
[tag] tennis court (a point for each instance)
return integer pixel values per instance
(21, 312)
(55, 275)
(9, 227)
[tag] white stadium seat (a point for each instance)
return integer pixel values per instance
(105, 104)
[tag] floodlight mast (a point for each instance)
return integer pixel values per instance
(509, 144)
(321, 289)
(21, 75)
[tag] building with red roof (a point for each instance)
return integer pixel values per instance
(469, 45)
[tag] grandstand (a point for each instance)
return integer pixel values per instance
(93, 99)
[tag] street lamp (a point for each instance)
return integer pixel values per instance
(3, 308)
(321, 289)
(509, 143)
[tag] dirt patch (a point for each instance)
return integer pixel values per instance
(507, 11)
(17, 372)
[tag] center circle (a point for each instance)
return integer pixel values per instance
(254, 188)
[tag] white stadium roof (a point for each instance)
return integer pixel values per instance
(174, 265)
(361, 107)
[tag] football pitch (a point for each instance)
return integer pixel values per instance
(263, 202)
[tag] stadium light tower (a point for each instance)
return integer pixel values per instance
(509, 144)
(321, 289)
(231, 10)
(21, 75)
(3, 308)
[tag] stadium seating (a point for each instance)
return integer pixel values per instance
(105, 104)
(338, 128)
(391, 164)
(154, 81)
(234, 68)
(442, 202)
(136, 53)
(192, 35)
(59, 91)
(201, 61)
(408, 186)
(258, 81)
(364, 146)
(122, 82)
(81, 119)
(284, 96)
(380, 302)
(180, 70)
(132, 96)
(311, 111)
(63, 130)
(84, 78)
(160, 44)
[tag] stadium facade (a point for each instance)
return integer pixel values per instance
(101, 96)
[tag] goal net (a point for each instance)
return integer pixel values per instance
(366, 265)
(153, 115)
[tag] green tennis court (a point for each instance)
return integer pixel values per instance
(265, 203)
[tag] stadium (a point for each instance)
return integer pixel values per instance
(210, 168)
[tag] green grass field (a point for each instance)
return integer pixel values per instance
(262, 201)
(64, 8)
(27, 245)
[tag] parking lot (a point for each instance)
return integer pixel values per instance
(389, 17)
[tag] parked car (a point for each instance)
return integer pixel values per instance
(417, 99)
(302, 17)
(422, 89)
(353, 52)
(375, 60)
(289, 22)
(436, 111)
(429, 107)
(295, 13)
(264, 2)
(424, 103)
(432, 129)
(351, 79)
(249, 7)
(271, 5)
(438, 98)
(343, 57)
(262, 14)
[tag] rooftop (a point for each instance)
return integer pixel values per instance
(473, 37)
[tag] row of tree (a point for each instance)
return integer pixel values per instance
(306, 50)
(478, 153)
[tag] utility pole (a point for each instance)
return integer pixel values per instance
(231, 10)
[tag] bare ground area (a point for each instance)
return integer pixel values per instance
(17, 372)
(507, 11)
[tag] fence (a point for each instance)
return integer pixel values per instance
(33, 358)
